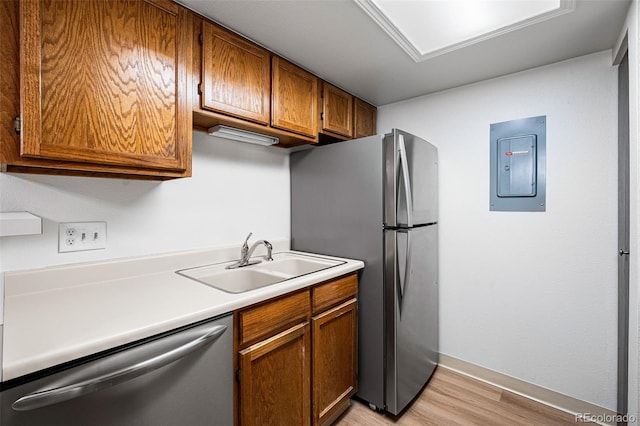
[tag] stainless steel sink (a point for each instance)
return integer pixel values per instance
(284, 266)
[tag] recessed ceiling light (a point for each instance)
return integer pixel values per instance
(428, 28)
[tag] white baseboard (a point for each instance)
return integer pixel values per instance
(537, 393)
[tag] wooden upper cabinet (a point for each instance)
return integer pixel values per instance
(294, 98)
(337, 111)
(365, 119)
(240, 84)
(105, 82)
(236, 77)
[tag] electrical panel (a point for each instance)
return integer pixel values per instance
(517, 166)
(518, 153)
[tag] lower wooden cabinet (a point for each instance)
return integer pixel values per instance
(274, 379)
(334, 360)
(297, 356)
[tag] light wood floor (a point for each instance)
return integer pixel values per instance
(451, 398)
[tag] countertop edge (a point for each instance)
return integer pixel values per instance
(63, 354)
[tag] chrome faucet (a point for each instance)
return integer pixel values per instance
(246, 252)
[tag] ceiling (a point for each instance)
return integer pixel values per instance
(339, 41)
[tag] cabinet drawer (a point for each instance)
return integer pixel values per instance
(332, 293)
(264, 320)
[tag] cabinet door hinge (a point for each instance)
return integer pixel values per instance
(17, 124)
(200, 39)
(199, 88)
(322, 116)
(238, 375)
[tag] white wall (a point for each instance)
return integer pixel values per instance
(236, 188)
(531, 295)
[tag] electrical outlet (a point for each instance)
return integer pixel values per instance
(80, 236)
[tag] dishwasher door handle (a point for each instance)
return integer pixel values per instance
(53, 395)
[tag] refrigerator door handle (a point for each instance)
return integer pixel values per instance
(402, 150)
(403, 279)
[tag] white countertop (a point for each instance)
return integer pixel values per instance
(54, 315)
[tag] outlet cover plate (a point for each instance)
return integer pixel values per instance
(81, 236)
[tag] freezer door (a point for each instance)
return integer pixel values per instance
(410, 180)
(411, 312)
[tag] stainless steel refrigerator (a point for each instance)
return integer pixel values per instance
(376, 199)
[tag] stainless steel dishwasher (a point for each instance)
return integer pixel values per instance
(183, 377)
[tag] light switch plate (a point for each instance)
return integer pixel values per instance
(81, 236)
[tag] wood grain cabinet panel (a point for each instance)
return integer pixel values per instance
(266, 319)
(332, 293)
(240, 84)
(294, 98)
(291, 372)
(334, 363)
(365, 119)
(337, 111)
(274, 380)
(104, 82)
(236, 77)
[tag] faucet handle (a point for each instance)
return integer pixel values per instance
(269, 247)
(245, 245)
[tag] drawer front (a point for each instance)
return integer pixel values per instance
(334, 292)
(264, 320)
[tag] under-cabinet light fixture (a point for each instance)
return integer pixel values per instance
(242, 135)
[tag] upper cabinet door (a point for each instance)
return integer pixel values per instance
(235, 75)
(365, 119)
(104, 82)
(294, 98)
(337, 110)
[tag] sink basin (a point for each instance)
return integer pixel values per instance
(283, 267)
(295, 266)
(235, 281)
